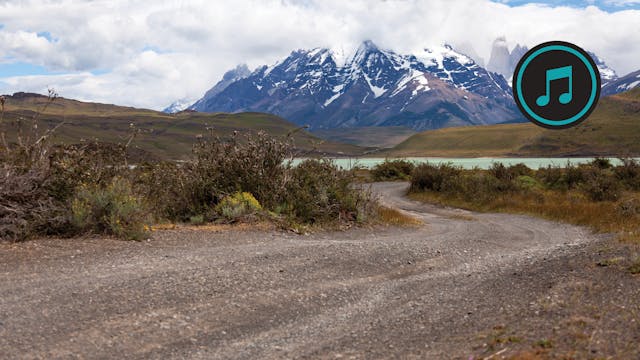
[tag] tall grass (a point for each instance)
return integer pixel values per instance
(598, 194)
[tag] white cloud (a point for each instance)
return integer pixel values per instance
(159, 51)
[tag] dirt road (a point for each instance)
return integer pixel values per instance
(447, 289)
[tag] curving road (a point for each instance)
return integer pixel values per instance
(423, 292)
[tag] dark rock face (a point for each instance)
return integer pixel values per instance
(625, 83)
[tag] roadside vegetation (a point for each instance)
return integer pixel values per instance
(598, 194)
(392, 170)
(48, 189)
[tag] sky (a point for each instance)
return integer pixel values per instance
(151, 53)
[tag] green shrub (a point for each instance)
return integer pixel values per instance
(111, 209)
(392, 170)
(505, 177)
(253, 163)
(88, 187)
(197, 219)
(526, 182)
(601, 185)
(550, 176)
(500, 172)
(601, 163)
(510, 173)
(320, 192)
(238, 205)
(472, 185)
(482, 186)
(520, 169)
(573, 176)
(567, 178)
(629, 173)
(172, 190)
(438, 178)
(312, 192)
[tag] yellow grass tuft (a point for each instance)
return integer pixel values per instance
(165, 226)
(463, 217)
(391, 216)
(569, 206)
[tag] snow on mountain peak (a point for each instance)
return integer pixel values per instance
(322, 85)
(363, 52)
(624, 83)
(366, 46)
(178, 106)
(340, 56)
(436, 55)
(607, 74)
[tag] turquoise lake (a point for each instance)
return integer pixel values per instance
(467, 163)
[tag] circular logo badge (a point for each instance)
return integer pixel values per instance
(556, 85)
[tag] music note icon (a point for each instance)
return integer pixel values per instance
(557, 74)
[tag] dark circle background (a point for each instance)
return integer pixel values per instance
(534, 84)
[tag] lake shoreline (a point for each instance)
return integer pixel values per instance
(466, 163)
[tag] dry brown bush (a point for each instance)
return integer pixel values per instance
(42, 186)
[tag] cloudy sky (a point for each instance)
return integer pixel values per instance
(150, 53)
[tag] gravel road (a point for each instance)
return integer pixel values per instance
(379, 292)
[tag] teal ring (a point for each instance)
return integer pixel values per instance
(592, 98)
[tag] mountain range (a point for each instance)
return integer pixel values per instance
(326, 88)
(433, 88)
(625, 83)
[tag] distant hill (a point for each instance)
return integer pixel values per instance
(164, 135)
(373, 136)
(613, 129)
(467, 141)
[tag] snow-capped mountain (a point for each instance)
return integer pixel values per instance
(178, 106)
(329, 88)
(502, 60)
(468, 49)
(240, 72)
(625, 83)
(607, 74)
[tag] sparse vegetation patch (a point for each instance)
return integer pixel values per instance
(92, 187)
(390, 170)
(597, 194)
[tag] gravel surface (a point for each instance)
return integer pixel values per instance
(463, 284)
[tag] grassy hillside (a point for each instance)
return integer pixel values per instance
(163, 135)
(468, 141)
(613, 129)
(374, 136)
